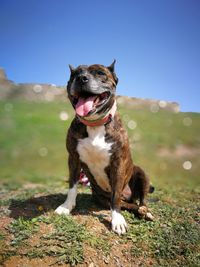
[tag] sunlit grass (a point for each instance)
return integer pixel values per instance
(33, 164)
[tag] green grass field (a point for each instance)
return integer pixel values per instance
(33, 164)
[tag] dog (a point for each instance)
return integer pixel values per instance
(98, 144)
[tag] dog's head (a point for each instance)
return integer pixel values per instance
(91, 89)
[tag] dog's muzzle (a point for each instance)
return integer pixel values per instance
(99, 119)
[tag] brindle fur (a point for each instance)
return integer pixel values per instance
(125, 192)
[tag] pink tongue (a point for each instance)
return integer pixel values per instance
(85, 105)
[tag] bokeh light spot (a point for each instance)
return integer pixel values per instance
(126, 117)
(132, 124)
(177, 109)
(187, 165)
(154, 108)
(162, 104)
(43, 151)
(187, 121)
(63, 116)
(37, 88)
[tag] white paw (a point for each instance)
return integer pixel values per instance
(142, 210)
(119, 224)
(149, 216)
(62, 210)
(69, 203)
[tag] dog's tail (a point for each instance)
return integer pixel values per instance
(151, 189)
(139, 186)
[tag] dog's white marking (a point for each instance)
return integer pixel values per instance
(149, 216)
(95, 152)
(118, 222)
(142, 210)
(69, 203)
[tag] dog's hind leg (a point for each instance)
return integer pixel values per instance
(139, 187)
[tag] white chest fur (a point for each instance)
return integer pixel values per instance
(95, 152)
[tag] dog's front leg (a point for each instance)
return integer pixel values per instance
(74, 173)
(118, 222)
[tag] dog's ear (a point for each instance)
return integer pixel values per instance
(72, 69)
(112, 70)
(112, 66)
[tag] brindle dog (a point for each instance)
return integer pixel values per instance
(98, 143)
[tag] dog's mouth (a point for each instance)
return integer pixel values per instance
(90, 104)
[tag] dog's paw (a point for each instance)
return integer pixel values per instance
(144, 213)
(149, 216)
(142, 210)
(119, 224)
(62, 210)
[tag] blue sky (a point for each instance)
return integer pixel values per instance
(156, 44)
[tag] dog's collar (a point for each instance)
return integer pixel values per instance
(102, 120)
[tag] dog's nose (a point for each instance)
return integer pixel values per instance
(83, 79)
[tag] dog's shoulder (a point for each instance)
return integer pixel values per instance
(116, 130)
(76, 131)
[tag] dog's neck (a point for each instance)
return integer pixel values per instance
(101, 120)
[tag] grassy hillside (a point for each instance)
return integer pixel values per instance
(33, 181)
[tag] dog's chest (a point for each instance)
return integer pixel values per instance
(95, 152)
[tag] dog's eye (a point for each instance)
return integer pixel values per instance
(100, 72)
